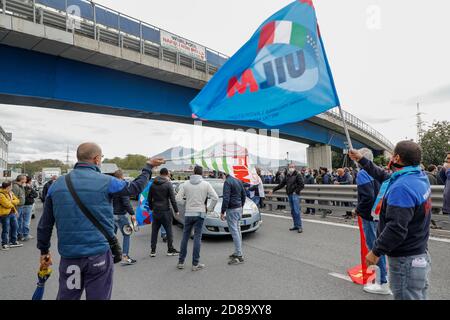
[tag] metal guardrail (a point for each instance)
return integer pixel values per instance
(103, 24)
(95, 21)
(323, 196)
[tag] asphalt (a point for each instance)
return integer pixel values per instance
(279, 265)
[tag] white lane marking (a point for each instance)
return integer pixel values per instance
(340, 225)
(313, 221)
(440, 239)
(340, 276)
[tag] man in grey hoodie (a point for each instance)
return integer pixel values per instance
(196, 193)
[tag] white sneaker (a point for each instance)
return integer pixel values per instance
(15, 245)
(378, 289)
(4, 247)
(198, 267)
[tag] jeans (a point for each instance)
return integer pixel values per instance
(294, 202)
(93, 274)
(164, 219)
(24, 220)
(370, 232)
(9, 228)
(233, 219)
(257, 201)
(197, 224)
(408, 277)
(119, 223)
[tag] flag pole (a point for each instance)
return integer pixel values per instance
(330, 74)
(347, 133)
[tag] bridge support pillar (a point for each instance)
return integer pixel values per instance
(319, 156)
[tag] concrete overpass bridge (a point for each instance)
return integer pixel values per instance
(81, 56)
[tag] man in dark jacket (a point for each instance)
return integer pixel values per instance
(431, 173)
(122, 207)
(294, 184)
(234, 198)
(404, 207)
(47, 186)
(86, 259)
(368, 189)
(161, 192)
(445, 177)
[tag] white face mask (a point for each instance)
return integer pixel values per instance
(291, 170)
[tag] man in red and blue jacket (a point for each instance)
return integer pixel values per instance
(405, 217)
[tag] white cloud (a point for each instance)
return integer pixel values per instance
(376, 70)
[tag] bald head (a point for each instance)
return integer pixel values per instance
(89, 152)
(340, 172)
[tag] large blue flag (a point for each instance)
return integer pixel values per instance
(281, 75)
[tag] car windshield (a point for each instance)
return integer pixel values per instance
(217, 186)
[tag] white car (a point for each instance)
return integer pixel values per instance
(214, 226)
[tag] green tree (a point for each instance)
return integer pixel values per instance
(381, 160)
(130, 162)
(436, 143)
(32, 167)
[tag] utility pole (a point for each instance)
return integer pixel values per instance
(420, 124)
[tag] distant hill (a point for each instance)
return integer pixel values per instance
(175, 152)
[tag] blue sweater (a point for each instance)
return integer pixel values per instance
(77, 236)
(405, 215)
(368, 189)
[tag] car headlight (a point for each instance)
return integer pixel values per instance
(254, 208)
(213, 215)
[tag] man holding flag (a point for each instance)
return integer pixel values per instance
(404, 209)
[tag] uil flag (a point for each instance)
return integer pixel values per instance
(144, 215)
(281, 75)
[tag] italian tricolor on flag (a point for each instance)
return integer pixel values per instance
(283, 32)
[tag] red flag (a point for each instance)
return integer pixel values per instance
(360, 274)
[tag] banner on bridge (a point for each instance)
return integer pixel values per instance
(184, 46)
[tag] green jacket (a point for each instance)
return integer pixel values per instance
(19, 192)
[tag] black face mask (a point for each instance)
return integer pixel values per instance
(397, 166)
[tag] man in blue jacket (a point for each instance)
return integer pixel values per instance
(445, 177)
(368, 189)
(86, 259)
(234, 198)
(404, 207)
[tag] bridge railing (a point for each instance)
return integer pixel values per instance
(334, 197)
(361, 125)
(98, 22)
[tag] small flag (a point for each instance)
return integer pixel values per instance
(144, 215)
(281, 75)
(43, 276)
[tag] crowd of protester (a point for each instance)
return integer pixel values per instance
(394, 203)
